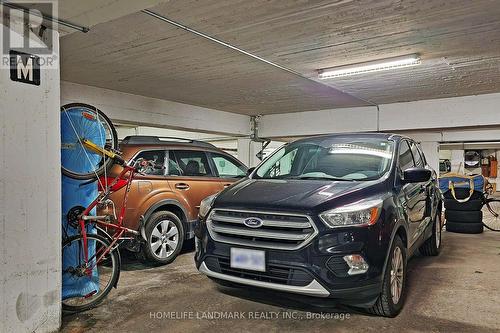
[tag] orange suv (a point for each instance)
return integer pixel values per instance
(163, 202)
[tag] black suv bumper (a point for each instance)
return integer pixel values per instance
(317, 269)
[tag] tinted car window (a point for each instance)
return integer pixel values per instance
(158, 158)
(416, 156)
(422, 155)
(333, 158)
(405, 156)
(173, 168)
(190, 163)
(226, 167)
(283, 166)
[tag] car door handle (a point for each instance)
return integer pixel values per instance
(182, 186)
(227, 185)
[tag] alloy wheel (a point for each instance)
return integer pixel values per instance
(164, 239)
(397, 269)
(438, 232)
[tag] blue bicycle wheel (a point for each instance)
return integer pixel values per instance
(82, 121)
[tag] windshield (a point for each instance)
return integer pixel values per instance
(344, 159)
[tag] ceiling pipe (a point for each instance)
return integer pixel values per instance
(47, 17)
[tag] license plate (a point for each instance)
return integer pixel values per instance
(253, 260)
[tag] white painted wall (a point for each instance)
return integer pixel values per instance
(427, 121)
(480, 110)
(446, 113)
(145, 111)
(457, 160)
(30, 204)
(247, 150)
(224, 142)
(431, 151)
(166, 132)
(361, 119)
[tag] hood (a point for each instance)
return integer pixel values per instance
(300, 195)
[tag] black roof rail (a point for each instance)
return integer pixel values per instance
(159, 140)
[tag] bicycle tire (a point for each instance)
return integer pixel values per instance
(111, 142)
(99, 296)
(490, 221)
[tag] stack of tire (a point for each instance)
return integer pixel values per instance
(464, 217)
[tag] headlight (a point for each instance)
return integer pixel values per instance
(206, 204)
(361, 213)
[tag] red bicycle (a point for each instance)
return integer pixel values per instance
(94, 259)
(91, 260)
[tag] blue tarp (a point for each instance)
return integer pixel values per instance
(74, 193)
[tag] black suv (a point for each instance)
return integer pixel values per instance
(333, 216)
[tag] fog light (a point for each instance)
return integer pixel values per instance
(357, 264)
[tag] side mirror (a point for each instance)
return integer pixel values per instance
(250, 170)
(416, 175)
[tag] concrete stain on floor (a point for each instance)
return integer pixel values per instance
(445, 294)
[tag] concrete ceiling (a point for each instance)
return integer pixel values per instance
(88, 13)
(459, 42)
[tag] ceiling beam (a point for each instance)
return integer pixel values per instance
(145, 111)
(439, 114)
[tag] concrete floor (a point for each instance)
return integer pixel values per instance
(458, 291)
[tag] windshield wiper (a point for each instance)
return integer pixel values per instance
(324, 178)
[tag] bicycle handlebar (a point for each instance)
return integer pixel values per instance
(103, 151)
(141, 164)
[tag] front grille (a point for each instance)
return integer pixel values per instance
(278, 231)
(273, 274)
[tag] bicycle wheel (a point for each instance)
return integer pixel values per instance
(81, 121)
(491, 216)
(83, 291)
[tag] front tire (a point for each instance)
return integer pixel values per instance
(164, 238)
(432, 246)
(99, 284)
(391, 300)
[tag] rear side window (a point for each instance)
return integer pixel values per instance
(189, 163)
(158, 158)
(173, 168)
(419, 162)
(227, 167)
(405, 156)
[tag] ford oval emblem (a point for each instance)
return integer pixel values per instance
(253, 222)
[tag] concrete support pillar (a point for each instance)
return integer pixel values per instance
(247, 150)
(431, 151)
(30, 190)
(457, 160)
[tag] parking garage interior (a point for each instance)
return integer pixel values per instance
(246, 77)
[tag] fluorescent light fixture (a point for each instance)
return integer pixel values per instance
(377, 153)
(370, 66)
